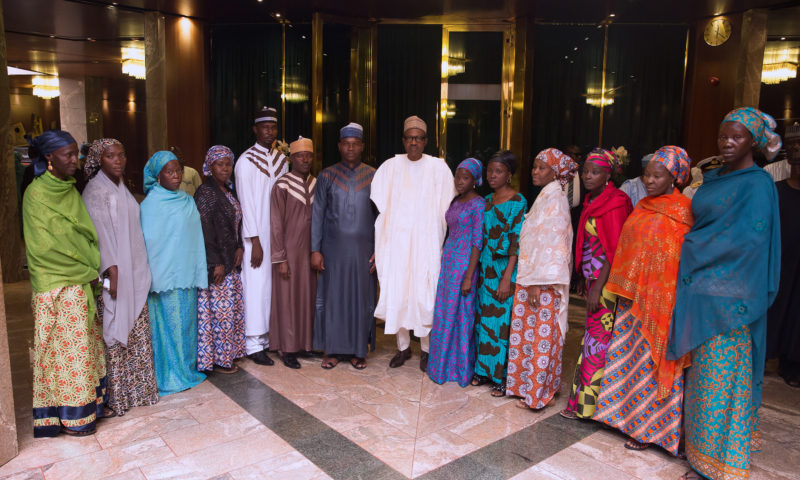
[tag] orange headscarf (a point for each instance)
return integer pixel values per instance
(645, 270)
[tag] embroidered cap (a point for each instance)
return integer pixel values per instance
(266, 114)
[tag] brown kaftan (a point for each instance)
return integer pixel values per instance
(292, 311)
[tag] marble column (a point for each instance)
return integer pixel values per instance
(751, 58)
(8, 424)
(94, 108)
(156, 81)
(72, 107)
(11, 249)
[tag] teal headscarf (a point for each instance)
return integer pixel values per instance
(761, 126)
(154, 166)
(173, 233)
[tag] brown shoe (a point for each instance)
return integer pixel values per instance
(423, 362)
(400, 358)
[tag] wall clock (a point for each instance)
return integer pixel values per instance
(717, 31)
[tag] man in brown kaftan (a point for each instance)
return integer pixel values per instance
(294, 283)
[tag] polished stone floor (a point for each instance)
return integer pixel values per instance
(379, 423)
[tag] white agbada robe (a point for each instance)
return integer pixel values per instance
(256, 172)
(412, 198)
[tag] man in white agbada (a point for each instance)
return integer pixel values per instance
(256, 171)
(412, 193)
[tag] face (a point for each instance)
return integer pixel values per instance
(793, 150)
(657, 179)
(414, 142)
(464, 181)
(351, 148)
(64, 161)
(735, 143)
(542, 173)
(170, 176)
(221, 170)
(594, 176)
(265, 133)
(113, 161)
(301, 162)
(497, 175)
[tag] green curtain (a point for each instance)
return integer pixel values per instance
(409, 83)
(246, 75)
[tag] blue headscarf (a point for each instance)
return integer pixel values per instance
(173, 234)
(474, 167)
(154, 166)
(46, 143)
(761, 125)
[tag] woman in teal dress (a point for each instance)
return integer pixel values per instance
(173, 236)
(727, 279)
(502, 221)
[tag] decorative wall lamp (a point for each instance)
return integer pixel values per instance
(45, 86)
(133, 62)
(780, 62)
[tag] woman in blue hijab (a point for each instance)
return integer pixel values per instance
(728, 277)
(176, 253)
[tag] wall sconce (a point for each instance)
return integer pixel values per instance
(45, 87)
(597, 98)
(133, 62)
(295, 92)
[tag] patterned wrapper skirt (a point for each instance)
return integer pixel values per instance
(220, 323)
(592, 358)
(131, 374)
(721, 423)
(173, 323)
(628, 398)
(69, 369)
(534, 348)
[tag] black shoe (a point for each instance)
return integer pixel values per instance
(290, 360)
(423, 362)
(261, 358)
(400, 358)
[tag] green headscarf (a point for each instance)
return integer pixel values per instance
(60, 238)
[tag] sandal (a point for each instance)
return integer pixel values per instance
(329, 362)
(478, 380)
(77, 433)
(632, 444)
(521, 404)
(226, 370)
(568, 414)
(690, 475)
(108, 413)
(792, 382)
(499, 390)
(358, 363)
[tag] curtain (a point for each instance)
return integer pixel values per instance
(409, 83)
(335, 89)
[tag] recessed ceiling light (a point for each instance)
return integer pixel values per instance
(783, 38)
(612, 15)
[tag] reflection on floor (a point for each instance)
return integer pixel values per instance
(274, 422)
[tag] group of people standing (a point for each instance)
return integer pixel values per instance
(483, 282)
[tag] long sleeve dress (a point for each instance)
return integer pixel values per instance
(452, 349)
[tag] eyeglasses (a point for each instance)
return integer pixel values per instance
(415, 138)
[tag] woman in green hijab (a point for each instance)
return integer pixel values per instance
(69, 372)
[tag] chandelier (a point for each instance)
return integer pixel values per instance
(45, 86)
(133, 62)
(780, 62)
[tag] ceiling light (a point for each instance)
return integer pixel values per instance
(780, 62)
(45, 86)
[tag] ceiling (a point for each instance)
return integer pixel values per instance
(85, 37)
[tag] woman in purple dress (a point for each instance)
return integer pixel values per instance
(452, 351)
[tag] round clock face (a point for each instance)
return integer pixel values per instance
(717, 31)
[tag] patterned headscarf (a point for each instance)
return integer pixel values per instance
(561, 163)
(154, 166)
(761, 126)
(604, 158)
(95, 155)
(475, 167)
(676, 160)
(217, 152)
(48, 142)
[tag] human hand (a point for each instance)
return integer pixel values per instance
(283, 269)
(238, 255)
(503, 290)
(317, 261)
(219, 274)
(466, 286)
(256, 254)
(372, 267)
(534, 291)
(113, 278)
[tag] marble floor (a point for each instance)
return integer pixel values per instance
(379, 423)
